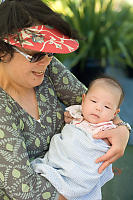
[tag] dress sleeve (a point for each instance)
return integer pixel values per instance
(68, 88)
(17, 178)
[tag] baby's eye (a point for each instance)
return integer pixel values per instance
(107, 107)
(93, 101)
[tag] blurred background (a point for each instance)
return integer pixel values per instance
(106, 46)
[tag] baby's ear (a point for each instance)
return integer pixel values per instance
(83, 97)
(117, 111)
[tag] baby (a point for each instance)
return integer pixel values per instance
(70, 162)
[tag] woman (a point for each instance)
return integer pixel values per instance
(32, 86)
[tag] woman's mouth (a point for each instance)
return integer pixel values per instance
(39, 73)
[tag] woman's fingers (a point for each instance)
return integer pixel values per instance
(112, 155)
(106, 164)
(103, 166)
(61, 198)
(67, 117)
(67, 114)
(118, 139)
(102, 134)
(107, 159)
(106, 156)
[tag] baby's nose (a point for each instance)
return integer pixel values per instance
(99, 107)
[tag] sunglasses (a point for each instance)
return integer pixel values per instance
(36, 57)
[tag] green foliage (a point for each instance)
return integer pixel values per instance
(128, 51)
(105, 31)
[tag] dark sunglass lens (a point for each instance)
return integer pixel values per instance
(50, 54)
(37, 57)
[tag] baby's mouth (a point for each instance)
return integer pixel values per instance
(95, 115)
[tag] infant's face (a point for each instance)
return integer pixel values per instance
(100, 103)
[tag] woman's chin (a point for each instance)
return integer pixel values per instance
(37, 80)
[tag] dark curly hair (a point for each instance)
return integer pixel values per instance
(19, 14)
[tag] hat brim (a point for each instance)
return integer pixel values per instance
(44, 39)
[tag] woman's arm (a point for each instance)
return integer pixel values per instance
(68, 89)
(117, 137)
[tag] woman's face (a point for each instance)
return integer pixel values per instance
(20, 72)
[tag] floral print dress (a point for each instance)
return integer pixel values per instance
(23, 138)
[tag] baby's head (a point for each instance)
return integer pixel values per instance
(102, 101)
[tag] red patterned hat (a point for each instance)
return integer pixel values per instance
(43, 38)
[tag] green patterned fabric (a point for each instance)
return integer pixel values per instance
(22, 138)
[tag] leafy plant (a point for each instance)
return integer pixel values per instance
(128, 26)
(103, 29)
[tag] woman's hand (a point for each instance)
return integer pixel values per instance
(62, 198)
(118, 138)
(67, 117)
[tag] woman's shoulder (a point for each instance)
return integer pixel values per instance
(55, 61)
(56, 67)
(7, 106)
